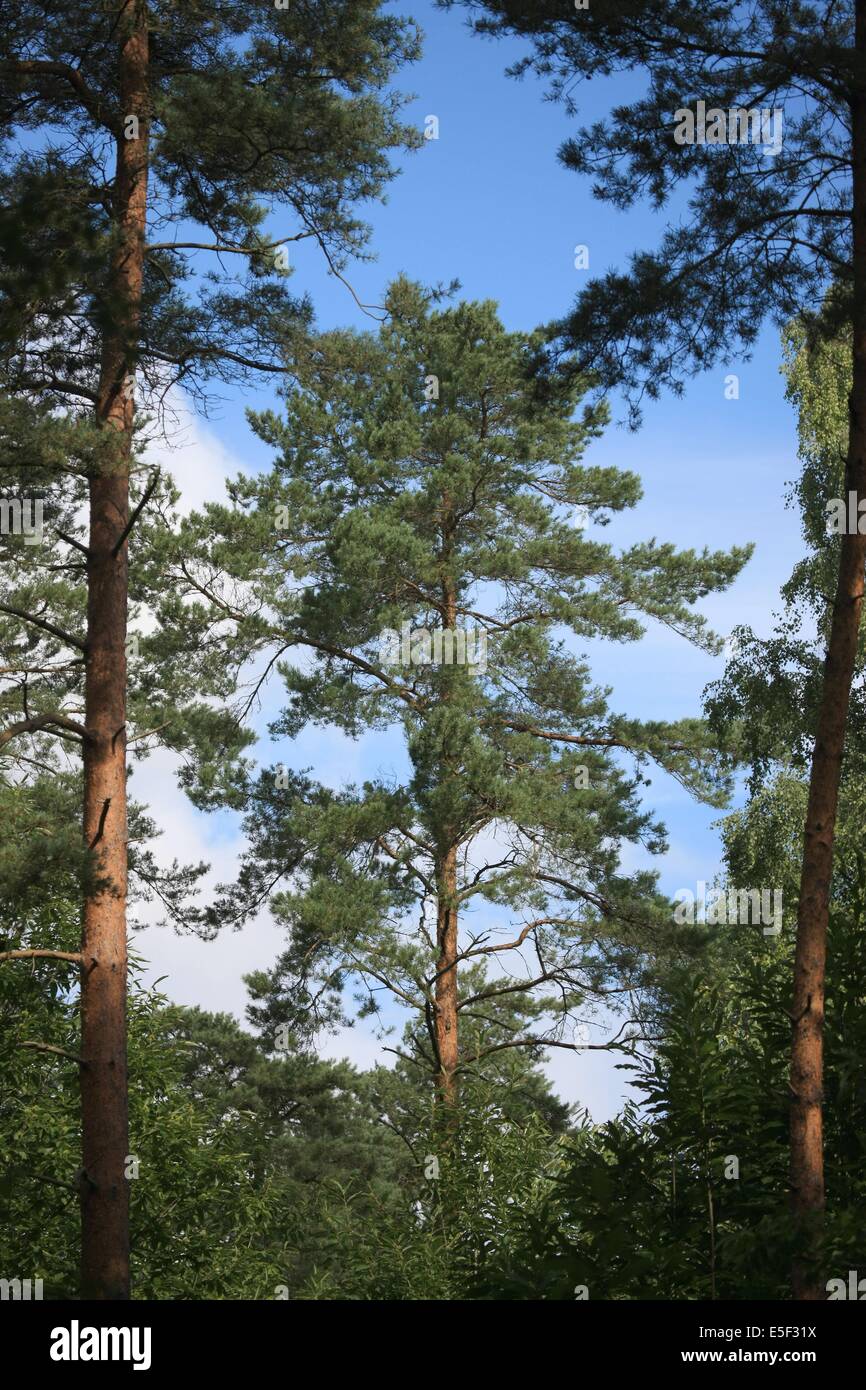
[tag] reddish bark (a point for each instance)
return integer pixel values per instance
(104, 1103)
(446, 980)
(807, 1053)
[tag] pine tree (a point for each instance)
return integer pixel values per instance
(145, 144)
(418, 560)
(774, 166)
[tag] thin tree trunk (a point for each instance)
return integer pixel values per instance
(711, 1214)
(104, 1101)
(445, 1013)
(446, 980)
(807, 1059)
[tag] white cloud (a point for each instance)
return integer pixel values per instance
(194, 455)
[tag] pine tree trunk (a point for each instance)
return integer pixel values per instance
(104, 1101)
(446, 980)
(807, 1060)
(445, 1013)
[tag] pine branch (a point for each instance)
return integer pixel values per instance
(534, 1042)
(43, 721)
(100, 829)
(40, 68)
(70, 540)
(45, 625)
(61, 385)
(582, 740)
(149, 491)
(54, 1051)
(54, 1182)
(75, 957)
(224, 249)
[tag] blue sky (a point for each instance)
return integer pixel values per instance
(489, 204)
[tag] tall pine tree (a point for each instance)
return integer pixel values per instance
(418, 561)
(144, 145)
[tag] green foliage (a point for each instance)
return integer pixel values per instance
(421, 480)
(470, 1203)
(253, 111)
(767, 702)
(265, 126)
(431, 476)
(230, 1146)
(753, 234)
(651, 1206)
(261, 1172)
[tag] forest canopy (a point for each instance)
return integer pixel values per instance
(406, 672)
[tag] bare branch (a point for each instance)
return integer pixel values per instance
(56, 720)
(149, 491)
(75, 957)
(54, 1051)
